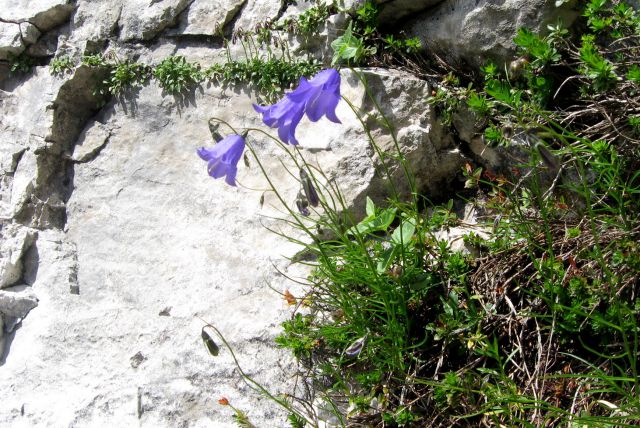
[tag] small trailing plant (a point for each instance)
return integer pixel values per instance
(126, 75)
(20, 64)
(309, 21)
(61, 65)
(175, 74)
(269, 76)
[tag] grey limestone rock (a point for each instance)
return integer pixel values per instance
(22, 22)
(206, 17)
(44, 14)
(145, 19)
(473, 32)
(15, 240)
(15, 303)
(15, 37)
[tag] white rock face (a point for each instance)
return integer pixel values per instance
(22, 22)
(14, 243)
(206, 17)
(44, 14)
(15, 37)
(95, 20)
(473, 32)
(145, 19)
(16, 302)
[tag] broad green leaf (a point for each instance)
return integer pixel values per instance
(499, 90)
(403, 234)
(385, 259)
(370, 224)
(371, 208)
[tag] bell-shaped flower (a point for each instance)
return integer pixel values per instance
(223, 158)
(284, 115)
(316, 97)
(320, 95)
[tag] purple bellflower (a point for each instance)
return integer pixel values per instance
(284, 115)
(316, 97)
(223, 158)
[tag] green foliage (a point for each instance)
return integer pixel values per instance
(309, 21)
(634, 73)
(95, 60)
(298, 336)
(541, 50)
(125, 76)
(296, 421)
(20, 64)
(367, 18)
(61, 65)
(410, 46)
(402, 417)
(539, 326)
(349, 49)
(634, 122)
(270, 77)
(448, 97)
(362, 40)
(175, 74)
(241, 419)
(595, 66)
(479, 103)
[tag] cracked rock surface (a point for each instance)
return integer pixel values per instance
(474, 32)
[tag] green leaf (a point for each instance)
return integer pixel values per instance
(385, 259)
(479, 103)
(213, 349)
(380, 222)
(371, 208)
(634, 73)
(296, 421)
(499, 90)
(347, 47)
(403, 234)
